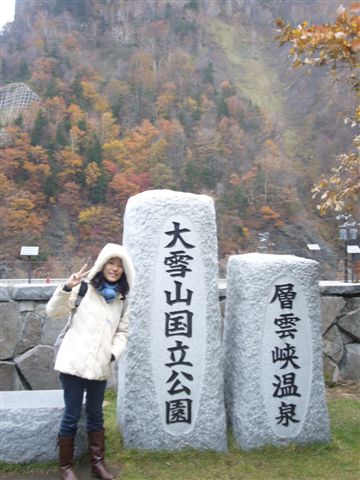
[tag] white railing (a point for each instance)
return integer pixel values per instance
(34, 281)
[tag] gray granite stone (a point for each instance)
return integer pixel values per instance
(260, 384)
(26, 307)
(9, 378)
(351, 369)
(32, 293)
(352, 304)
(345, 338)
(9, 329)
(155, 399)
(29, 426)
(40, 309)
(330, 311)
(337, 288)
(36, 365)
(350, 324)
(4, 294)
(333, 345)
(30, 334)
(51, 329)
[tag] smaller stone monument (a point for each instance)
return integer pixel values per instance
(29, 426)
(274, 388)
(170, 392)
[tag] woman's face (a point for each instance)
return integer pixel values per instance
(113, 269)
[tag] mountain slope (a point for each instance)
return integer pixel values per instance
(190, 95)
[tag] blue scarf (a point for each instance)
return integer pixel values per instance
(109, 291)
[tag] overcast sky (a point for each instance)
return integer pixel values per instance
(7, 9)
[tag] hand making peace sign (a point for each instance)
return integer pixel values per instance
(75, 278)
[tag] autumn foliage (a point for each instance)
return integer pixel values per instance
(334, 46)
(139, 109)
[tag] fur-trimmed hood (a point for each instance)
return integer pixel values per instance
(112, 250)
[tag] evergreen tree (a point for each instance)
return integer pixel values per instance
(19, 121)
(38, 131)
(208, 73)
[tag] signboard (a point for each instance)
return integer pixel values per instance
(313, 246)
(353, 249)
(29, 251)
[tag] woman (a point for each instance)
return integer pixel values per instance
(95, 339)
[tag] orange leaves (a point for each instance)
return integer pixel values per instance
(76, 135)
(250, 175)
(125, 185)
(355, 45)
(90, 93)
(166, 100)
(227, 87)
(114, 153)
(110, 167)
(70, 198)
(75, 113)
(92, 174)
(138, 145)
(158, 31)
(328, 44)
(44, 65)
(19, 216)
(180, 70)
(107, 127)
(13, 159)
(121, 188)
(72, 165)
(138, 161)
(334, 45)
(341, 190)
(55, 108)
(37, 167)
(235, 180)
(25, 163)
(22, 204)
(233, 104)
(142, 74)
(270, 215)
(231, 137)
(70, 42)
(170, 128)
(6, 186)
(99, 223)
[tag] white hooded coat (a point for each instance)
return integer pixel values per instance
(98, 329)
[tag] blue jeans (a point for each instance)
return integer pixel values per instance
(74, 388)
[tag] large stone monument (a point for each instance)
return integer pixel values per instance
(274, 386)
(170, 393)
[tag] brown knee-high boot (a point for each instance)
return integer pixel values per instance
(97, 452)
(66, 458)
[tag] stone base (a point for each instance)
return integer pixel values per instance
(29, 426)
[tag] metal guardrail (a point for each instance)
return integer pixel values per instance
(34, 281)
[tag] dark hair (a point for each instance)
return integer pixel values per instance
(123, 286)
